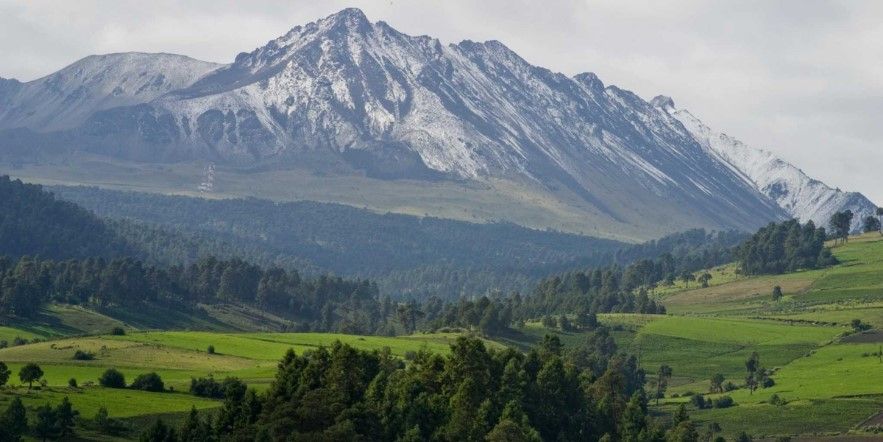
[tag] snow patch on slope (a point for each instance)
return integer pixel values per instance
(804, 198)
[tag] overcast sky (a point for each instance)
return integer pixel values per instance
(801, 78)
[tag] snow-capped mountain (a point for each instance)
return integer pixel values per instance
(363, 96)
(66, 98)
(802, 197)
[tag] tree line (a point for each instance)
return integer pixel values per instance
(786, 247)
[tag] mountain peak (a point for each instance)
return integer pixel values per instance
(590, 79)
(352, 17)
(663, 102)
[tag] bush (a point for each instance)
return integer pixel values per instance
(4, 343)
(112, 378)
(743, 437)
(767, 382)
(81, 355)
(148, 382)
(724, 402)
(209, 387)
(777, 293)
(211, 349)
(699, 402)
(410, 355)
(72, 382)
(18, 340)
(776, 400)
(118, 331)
(729, 386)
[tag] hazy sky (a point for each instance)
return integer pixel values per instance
(801, 78)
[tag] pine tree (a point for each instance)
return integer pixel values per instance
(65, 416)
(15, 419)
(4, 374)
(46, 426)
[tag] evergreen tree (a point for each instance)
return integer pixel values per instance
(159, 432)
(46, 425)
(14, 420)
(65, 417)
(871, 224)
(880, 218)
(4, 374)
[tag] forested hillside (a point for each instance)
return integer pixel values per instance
(33, 222)
(406, 255)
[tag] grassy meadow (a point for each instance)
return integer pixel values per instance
(828, 380)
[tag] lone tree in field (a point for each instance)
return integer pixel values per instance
(112, 378)
(777, 293)
(704, 278)
(662, 378)
(871, 224)
(840, 224)
(717, 383)
(752, 366)
(686, 277)
(30, 373)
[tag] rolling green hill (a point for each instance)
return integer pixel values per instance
(827, 378)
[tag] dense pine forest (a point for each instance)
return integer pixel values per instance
(785, 247)
(33, 222)
(474, 394)
(141, 264)
(405, 255)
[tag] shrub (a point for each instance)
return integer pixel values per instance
(18, 340)
(724, 402)
(767, 382)
(776, 400)
(72, 382)
(699, 402)
(81, 355)
(743, 437)
(4, 343)
(112, 378)
(209, 387)
(729, 386)
(118, 331)
(859, 326)
(777, 293)
(211, 349)
(148, 382)
(410, 355)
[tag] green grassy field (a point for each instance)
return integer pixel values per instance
(829, 386)
(177, 356)
(830, 383)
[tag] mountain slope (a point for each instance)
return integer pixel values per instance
(66, 98)
(366, 99)
(802, 197)
(348, 99)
